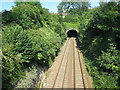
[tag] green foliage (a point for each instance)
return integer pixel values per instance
(108, 67)
(45, 43)
(72, 25)
(11, 70)
(73, 7)
(73, 10)
(7, 17)
(99, 40)
(71, 19)
(59, 29)
(21, 51)
(33, 2)
(31, 35)
(16, 50)
(58, 26)
(19, 42)
(27, 15)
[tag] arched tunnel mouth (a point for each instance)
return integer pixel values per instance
(72, 33)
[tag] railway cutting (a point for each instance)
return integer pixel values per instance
(68, 70)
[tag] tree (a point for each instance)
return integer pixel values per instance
(31, 2)
(71, 6)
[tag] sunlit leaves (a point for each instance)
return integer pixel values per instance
(99, 38)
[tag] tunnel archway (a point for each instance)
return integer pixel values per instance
(72, 33)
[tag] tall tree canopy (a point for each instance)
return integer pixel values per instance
(72, 7)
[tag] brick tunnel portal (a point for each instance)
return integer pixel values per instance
(72, 33)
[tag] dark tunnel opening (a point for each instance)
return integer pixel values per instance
(72, 33)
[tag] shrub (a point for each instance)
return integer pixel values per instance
(98, 37)
(16, 50)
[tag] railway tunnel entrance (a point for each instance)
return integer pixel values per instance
(72, 33)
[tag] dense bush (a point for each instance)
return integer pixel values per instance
(27, 16)
(99, 38)
(18, 41)
(17, 49)
(31, 36)
(72, 19)
(46, 45)
(58, 26)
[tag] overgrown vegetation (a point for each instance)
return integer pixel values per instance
(31, 36)
(74, 11)
(99, 36)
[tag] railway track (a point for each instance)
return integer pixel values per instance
(67, 71)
